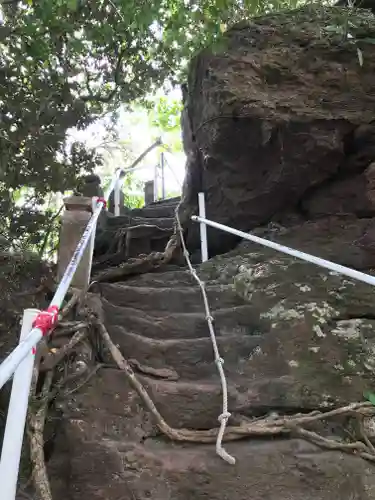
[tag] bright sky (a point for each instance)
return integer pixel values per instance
(135, 132)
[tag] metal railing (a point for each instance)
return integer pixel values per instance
(161, 165)
(36, 325)
(327, 264)
(332, 266)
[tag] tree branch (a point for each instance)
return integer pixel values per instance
(101, 98)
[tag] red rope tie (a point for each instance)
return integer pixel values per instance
(102, 200)
(46, 320)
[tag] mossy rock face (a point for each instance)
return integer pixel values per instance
(318, 327)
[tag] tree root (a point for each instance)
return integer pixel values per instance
(35, 429)
(261, 427)
(53, 358)
(161, 373)
(141, 265)
(84, 381)
(132, 267)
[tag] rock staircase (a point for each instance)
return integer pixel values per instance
(109, 448)
(140, 231)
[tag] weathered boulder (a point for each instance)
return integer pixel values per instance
(282, 120)
(318, 332)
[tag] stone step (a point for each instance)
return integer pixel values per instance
(187, 359)
(137, 238)
(170, 299)
(181, 325)
(187, 471)
(169, 201)
(123, 221)
(175, 276)
(155, 211)
(184, 403)
(107, 445)
(103, 455)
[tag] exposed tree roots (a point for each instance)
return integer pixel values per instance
(262, 427)
(39, 401)
(142, 264)
(36, 420)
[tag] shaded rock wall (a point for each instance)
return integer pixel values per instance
(282, 123)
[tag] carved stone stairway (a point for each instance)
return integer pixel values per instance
(108, 447)
(141, 231)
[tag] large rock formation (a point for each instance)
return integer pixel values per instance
(282, 123)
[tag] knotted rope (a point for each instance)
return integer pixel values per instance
(223, 418)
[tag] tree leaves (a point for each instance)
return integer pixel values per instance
(370, 396)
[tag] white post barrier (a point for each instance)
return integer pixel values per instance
(11, 362)
(156, 187)
(117, 197)
(327, 264)
(203, 227)
(9, 365)
(17, 411)
(162, 165)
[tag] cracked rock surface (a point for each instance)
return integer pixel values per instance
(281, 124)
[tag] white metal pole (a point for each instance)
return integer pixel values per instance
(156, 190)
(162, 175)
(203, 227)
(327, 264)
(91, 243)
(10, 363)
(117, 197)
(17, 411)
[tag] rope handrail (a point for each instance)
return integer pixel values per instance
(223, 418)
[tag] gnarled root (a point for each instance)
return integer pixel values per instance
(262, 427)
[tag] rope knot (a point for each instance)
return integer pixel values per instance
(224, 416)
(210, 318)
(219, 361)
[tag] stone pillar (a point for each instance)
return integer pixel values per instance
(149, 192)
(78, 211)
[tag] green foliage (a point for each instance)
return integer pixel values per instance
(66, 63)
(166, 115)
(133, 200)
(129, 186)
(370, 396)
